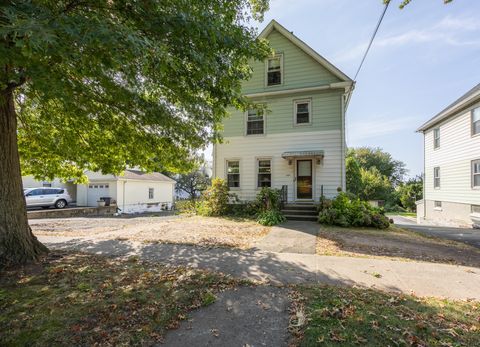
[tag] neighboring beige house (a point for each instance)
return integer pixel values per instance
(298, 143)
(134, 191)
(452, 164)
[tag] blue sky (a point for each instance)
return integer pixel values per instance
(423, 58)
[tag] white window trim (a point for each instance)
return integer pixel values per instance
(239, 173)
(435, 138)
(282, 70)
(472, 174)
(439, 177)
(471, 121)
(257, 159)
(310, 116)
(264, 125)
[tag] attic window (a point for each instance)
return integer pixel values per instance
(274, 70)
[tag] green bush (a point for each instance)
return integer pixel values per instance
(270, 217)
(186, 206)
(268, 199)
(346, 211)
(214, 200)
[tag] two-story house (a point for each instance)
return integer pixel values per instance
(296, 139)
(452, 163)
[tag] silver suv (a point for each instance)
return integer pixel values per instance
(46, 197)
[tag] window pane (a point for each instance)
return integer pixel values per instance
(476, 127)
(255, 122)
(302, 108)
(274, 64)
(476, 167)
(233, 167)
(476, 180)
(233, 174)
(475, 208)
(274, 77)
(476, 115)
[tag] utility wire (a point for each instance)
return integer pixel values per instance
(371, 40)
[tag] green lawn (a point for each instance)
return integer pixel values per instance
(405, 214)
(75, 299)
(337, 316)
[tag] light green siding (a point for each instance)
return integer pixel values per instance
(326, 114)
(299, 69)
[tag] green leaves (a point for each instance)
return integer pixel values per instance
(109, 84)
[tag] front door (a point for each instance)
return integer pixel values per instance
(304, 179)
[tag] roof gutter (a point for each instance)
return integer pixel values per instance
(449, 112)
(336, 85)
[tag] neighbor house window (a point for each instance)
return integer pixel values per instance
(46, 184)
(150, 193)
(233, 173)
(255, 122)
(436, 177)
(476, 121)
(302, 112)
(438, 204)
(274, 70)
(476, 173)
(436, 138)
(475, 208)
(264, 173)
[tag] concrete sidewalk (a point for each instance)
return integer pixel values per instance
(291, 237)
(420, 278)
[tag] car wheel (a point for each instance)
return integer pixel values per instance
(60, 204)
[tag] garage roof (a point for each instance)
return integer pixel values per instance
(130, 174)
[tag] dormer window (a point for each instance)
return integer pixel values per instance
(274, 70)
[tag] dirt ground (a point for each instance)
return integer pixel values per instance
(396, 243)
(176, 229)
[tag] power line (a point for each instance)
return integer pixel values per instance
(371, 40)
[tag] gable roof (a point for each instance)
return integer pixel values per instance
(473, 95)
(130, 174)
(274, 25)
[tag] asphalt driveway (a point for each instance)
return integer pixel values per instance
(466, 235)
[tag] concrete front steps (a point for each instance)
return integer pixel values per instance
(300, 212)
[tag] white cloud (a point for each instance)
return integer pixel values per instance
(452, 31)
(358, 130)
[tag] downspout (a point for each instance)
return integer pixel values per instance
(123, 204)
(424, 181)
(343, 140)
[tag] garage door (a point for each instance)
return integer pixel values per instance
(96, 191)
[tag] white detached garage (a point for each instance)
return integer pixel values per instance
(134, 191)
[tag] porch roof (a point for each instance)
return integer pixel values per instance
(299, 154)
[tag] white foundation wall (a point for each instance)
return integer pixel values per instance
(248, 149)
(132, 196)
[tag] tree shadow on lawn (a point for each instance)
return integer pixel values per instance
(273, 268)
(394, 243)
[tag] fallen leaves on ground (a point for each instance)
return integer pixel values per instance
(394, 243)
(342, 316)
(79, 299)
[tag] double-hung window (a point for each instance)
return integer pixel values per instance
(264, 173)
(302, 112)
(476, 173)
(436, 177)
(274, 71)
(255, 122)
(476, 121)
(233, 173)
(436, 138)
(150, 193)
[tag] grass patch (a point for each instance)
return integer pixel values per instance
(394, 243)
(404, 214)
(77, 299)
(340, 316)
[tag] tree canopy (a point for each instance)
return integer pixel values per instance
(104, 84)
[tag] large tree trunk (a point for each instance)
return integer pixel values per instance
(17, 243)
